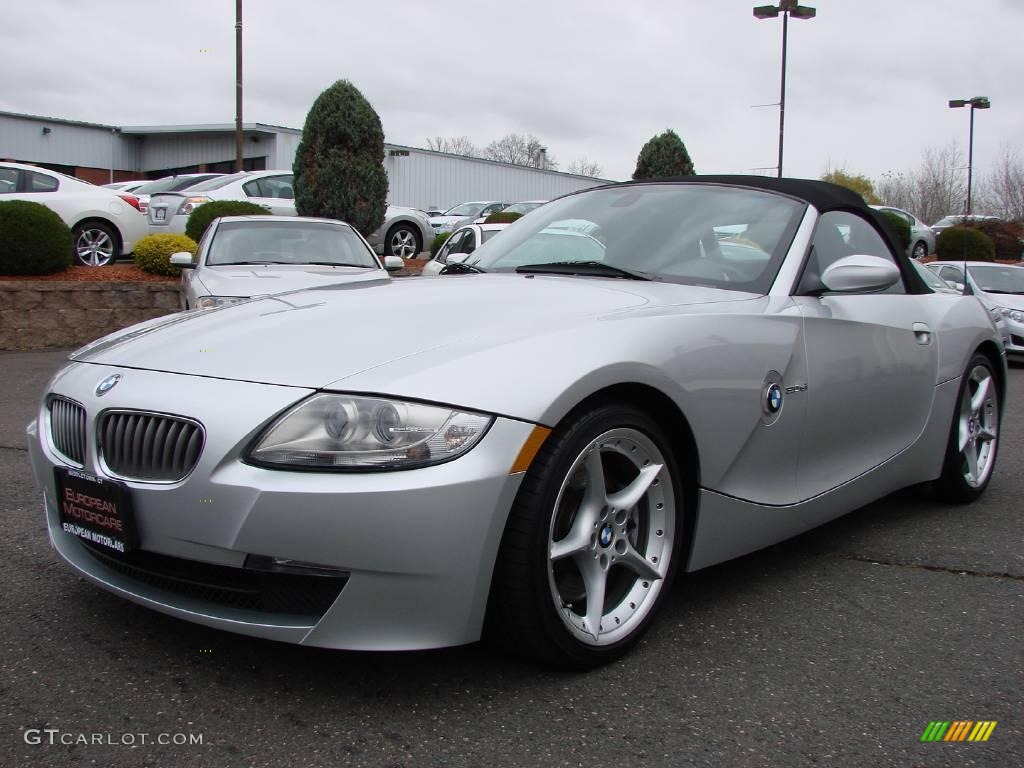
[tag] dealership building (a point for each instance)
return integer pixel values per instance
(419, 178)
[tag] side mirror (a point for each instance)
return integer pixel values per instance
(182, 259)
(860, 274)
(393, 263)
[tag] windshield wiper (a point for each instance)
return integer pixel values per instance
(332, 264)
(586, 268)
(459, 268)
(246, 263)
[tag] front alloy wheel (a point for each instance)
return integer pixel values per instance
(402, 241)
(592, 541)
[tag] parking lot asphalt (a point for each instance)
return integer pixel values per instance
(833, 649)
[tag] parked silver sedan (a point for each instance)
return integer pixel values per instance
(566, 435)
(245, 256)
(922, 238)
(1000, 287)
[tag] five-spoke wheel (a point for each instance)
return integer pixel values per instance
(95, 244)
(592, 541)
(974, 441)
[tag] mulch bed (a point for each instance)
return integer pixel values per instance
(117, 273)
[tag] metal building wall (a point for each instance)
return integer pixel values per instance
(284, 155)
(177, 150)
(422, 179)
(73, 144)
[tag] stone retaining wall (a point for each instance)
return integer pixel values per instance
(37, 315)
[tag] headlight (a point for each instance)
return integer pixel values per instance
(190, 204)
(1014, 314)
(209, 302)
(352, 432)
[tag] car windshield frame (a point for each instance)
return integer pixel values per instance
(665, 231)
(357, 253)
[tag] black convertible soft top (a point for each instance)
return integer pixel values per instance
(824, 196)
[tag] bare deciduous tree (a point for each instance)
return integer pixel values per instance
(936, 189)
(520, 149)
(453, 145)
(585, 167)
(1001, 193)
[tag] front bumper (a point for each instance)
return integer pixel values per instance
(417, 547)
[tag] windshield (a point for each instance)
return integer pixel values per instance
(996, 279)
(218, 181)
(170, 184)
(724, 237)
(292, 241)
(523, 208)
(466, 209)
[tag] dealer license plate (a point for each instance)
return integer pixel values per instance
(96, 509)
(159, 214)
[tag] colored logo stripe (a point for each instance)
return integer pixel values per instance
(958, 730)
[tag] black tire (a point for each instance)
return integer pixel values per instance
(955, 484)
(523, 617)
(95, 243)
(399, 238)
(920, 250)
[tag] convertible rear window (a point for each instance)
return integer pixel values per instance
(725, 237)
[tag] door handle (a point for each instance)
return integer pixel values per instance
(922, 333)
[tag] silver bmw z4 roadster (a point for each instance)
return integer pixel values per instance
(632, 381)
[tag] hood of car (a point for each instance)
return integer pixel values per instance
(437, 221)
(319, 337)
(255, 280)
(1008, 300)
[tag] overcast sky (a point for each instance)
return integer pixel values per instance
(868, 80)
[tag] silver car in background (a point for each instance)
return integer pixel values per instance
(631, 382)
(464, 213)
(405, 232)
(922, 238)
(1000, 287)
(244, 256)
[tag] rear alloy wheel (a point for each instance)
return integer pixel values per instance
(95, 244)
(920, 250)
(974, 437)
(402, 241)
(592, 541)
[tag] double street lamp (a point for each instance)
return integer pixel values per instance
(978, 102)
(786, 8)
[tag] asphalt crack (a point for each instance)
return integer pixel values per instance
(924, 567)
(21, 448)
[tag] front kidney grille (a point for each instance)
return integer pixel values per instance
(67, 428)
(135, 445)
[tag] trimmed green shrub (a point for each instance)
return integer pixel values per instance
(964, 244)
(901, 226)
(437, 242)
(663, 156)
(501, 217)
(33, 239)
(202, 217)
(339, 165)
(153, 252)
(1007, 237)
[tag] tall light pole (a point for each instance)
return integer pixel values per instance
(787, 8)
(978, 102)
(239, 139)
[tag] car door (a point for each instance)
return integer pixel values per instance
(466, 245)
(871, 361)
(274, 192)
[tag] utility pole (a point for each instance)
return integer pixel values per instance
(239, 138)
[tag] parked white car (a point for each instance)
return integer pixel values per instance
(405, 232)
(126, 186)
(105, 224)
(245, 256)
(922, 238)
(1000, 288)
(464, 213)
(461, 244)
(178, 183)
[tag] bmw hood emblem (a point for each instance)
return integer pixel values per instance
(107, 384)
